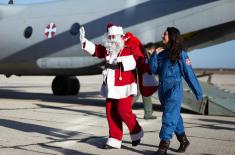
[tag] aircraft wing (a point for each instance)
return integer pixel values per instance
(210, 36)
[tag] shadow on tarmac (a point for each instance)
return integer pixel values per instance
(28, 127)
(84, 98)
(85, 112)
(219, 121)
(218, 124)
(55, 135)
(63, 150)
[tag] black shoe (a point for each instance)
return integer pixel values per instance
(136, 142)
(107, 147)
(150, 117)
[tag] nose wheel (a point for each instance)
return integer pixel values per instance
(65, 85)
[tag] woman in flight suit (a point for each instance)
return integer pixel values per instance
(170, 64)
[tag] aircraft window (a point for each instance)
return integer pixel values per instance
(75, 29)
(28, 32)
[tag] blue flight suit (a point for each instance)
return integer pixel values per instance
(170, 90)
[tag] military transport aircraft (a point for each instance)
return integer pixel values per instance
(43, 39)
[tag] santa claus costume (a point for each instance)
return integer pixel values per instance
(119, 84)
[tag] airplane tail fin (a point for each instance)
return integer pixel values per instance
(9, 10)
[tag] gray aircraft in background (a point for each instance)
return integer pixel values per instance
(43, 39)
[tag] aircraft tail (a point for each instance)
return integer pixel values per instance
(10, 10)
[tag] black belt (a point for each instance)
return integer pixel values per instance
(111, 66)
(116, 66)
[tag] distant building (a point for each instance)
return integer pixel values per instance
(11, 2)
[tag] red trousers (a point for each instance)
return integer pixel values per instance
(118, 111)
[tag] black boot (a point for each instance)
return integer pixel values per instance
(184, 143)
(162, 149)
(136, 142)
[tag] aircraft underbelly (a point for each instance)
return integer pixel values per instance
(66, 62)
(52, 66)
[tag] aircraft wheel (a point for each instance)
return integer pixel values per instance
(63, 85)
(74, 85)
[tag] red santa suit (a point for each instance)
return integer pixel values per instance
(119, 86)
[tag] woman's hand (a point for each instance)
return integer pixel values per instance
(150, 51)
(159, 50)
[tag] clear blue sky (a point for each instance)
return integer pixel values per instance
(218, 56)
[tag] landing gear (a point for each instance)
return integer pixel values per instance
(65, 85)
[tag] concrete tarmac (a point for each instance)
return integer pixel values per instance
(34, 122)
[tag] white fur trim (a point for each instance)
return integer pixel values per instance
(119, 59)
(90, 47)
(114, 143)
(107, 58)
(117, 92)
(109, 90)
(128, 62)
(115, 30)
(149, 80)
(137, 136)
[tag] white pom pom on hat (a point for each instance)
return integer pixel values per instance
(114, 30)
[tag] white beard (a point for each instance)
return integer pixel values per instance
(114, 46)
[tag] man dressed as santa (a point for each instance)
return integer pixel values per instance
(119, 83)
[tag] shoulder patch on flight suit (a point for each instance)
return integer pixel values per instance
(187, 61)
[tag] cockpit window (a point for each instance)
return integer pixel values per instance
(75, 29)
(28, 32)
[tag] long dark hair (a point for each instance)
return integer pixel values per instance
(175, 45)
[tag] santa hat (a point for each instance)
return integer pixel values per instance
(114, 30)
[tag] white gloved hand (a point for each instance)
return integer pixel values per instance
(82, 35)
(87, 45)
